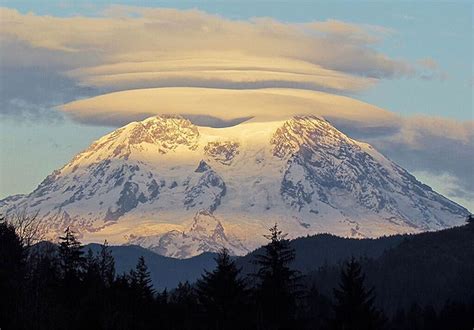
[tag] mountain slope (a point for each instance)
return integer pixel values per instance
(427, 268)
(165, 272)
(181, 189)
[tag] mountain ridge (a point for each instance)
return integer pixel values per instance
(148, 182)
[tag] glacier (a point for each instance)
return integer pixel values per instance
(181, 189)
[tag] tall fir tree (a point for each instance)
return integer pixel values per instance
(72, 271)
(106, 264)
(184, 294)
(354, 304)
(163, 297)
(315, 308)
(12, 262)
(142, 296)
(71, 258)
(277, 284)
(91, 268)
(470, 220)
(141, 281)
(222, 293)
(92, 294)
(183, 307)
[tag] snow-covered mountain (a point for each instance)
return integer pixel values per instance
(181, 189)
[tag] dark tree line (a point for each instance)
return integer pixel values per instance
(63, 287)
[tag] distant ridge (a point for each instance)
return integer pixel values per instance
(444, 252)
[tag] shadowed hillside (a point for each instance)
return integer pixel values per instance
(166, 272)
(427, 268)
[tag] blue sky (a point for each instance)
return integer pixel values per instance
(440, 31)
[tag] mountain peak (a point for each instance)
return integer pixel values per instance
(168, 132)
(207, 225)
(307, 118)
(173, 186)
(307, 131)
(169, 119)
(154, 135)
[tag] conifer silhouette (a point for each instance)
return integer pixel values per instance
(70, 255)
(277, 282)
(106, 264)
(354, 304)
(222, 293)
(141, 280)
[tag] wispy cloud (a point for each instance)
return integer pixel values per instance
(430, 70)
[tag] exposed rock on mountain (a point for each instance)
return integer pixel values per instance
(181, 189)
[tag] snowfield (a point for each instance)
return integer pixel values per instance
(181, 189)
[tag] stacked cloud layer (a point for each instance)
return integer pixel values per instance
(218, 72)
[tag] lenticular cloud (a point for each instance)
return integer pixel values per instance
(220, 72)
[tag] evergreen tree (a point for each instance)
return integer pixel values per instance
(92, 295)
(354, 304)
(183, 307)
(185, 297)
(91, 265)
(141, 281)
(42, 289)
(316, 308)
(470, 219)
(183, 294)
(222, 293)
(277, 282)
(138, 294)
(106, 264)
(12, 261)
(124, 303)
(70, 255)
(72, 270)
(163, 297)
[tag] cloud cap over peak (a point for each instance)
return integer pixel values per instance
(438, 146)
(264, 104)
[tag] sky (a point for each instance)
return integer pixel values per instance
(414, 60)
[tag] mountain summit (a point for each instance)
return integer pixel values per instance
(182, 189)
